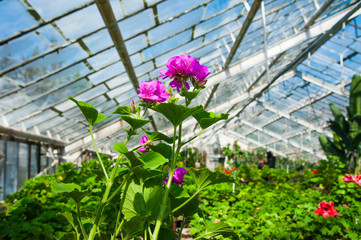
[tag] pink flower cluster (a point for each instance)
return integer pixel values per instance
(178, 176)
(152, 91)
(184, 67)
(352, 178)
(326, 209)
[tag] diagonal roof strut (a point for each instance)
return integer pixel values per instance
(106, 11)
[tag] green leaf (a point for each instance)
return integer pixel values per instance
(205, 177)
(176, 113)
(216, 229)
(207, 119)
(153, 160)
(64, 187)
(79, 195)
(135, 123)
(120, 148)
(142, 201)
(188, 209)
(70, 218)
(145, 174)
(134, 227)
(122, 110)
(134, 204)
(153, 196)
(100, 118)
(163, 149)
(178, 192)
(157, 136)
(134, 161)
(355, 97)
(190, 95)
(89, 112)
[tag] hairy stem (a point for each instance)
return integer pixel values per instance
(79, 220)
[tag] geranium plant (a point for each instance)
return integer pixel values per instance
(145, 186)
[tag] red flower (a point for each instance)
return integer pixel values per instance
(227, 172)
(348, 178)
(315, 171)
(326, 209)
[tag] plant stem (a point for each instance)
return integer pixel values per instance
(185, 202)
(96, 150)
(100, 211)
(170, 177)
(158, 224)
(181, 229)
(79, 220)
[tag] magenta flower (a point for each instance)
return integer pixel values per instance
(152, 91)
(143, 140)
(184, 67)
(178, 176)
(199, 71)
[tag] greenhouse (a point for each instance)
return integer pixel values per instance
(193, 119)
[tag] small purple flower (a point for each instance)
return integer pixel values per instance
(152, 91)
(143, 140)
(15, 200)
(178, 176)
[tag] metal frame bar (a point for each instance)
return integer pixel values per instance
(106, 11)
(309, 50)
(27, 135)
(324, 6)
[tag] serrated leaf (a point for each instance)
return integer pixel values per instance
(100, 118)
(70, 218)
(205, 177)
(79, 195)
(176, 113)
(89, 112)
(135, 123)
(122, 110)
(153, 160)
(163, 149)
(64, 187)
(142, 201)
(157, 136)
(190, 95)
(207, 119)
(120, 148)
(134, 227)
(188, 210)
(134, 161)
(178, 192)
(216, 229)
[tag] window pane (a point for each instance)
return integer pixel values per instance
(23, 164)
(34, 160)
(11, 167)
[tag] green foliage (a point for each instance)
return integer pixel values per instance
(207, 119)
(271, 204)
(346, 130)
(90, 113)
(176, 113)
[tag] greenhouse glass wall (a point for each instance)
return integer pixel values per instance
(263, 73)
